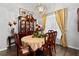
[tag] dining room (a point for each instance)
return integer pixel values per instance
(39, 29)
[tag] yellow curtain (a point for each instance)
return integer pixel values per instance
(44, 20)
(60, 17)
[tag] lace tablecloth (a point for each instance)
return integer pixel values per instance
(34, 43)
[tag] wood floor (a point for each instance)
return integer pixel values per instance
(60, 51)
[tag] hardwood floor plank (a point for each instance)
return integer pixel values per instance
(60, 51)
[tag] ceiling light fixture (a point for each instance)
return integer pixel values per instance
(41, 9)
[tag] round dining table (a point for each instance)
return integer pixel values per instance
(34, 43)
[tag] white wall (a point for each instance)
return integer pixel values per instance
(8, 12)
(72, 34)
(3, 28)
(5, 15)
(11, 11)
(70, 23)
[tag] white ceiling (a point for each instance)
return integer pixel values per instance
(31, 6)
(13, 7)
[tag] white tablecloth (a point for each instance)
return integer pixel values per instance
(34, 43)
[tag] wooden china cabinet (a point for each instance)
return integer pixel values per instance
(25, 25)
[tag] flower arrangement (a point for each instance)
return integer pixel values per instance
(38, 32)
(39, 27)
(12, 26)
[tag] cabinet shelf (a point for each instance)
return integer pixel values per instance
(26, 25)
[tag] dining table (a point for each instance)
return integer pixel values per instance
(33, 42)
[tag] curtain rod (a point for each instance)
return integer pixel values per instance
(54, 12)
(50, 13)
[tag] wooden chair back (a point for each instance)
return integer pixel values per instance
(52, 36)
(17, 41)
(50, 39)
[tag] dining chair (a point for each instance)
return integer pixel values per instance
(49, 31)
(49, 45)
(45, 46)
(21, 50)
(53, 36)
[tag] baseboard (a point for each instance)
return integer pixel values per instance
(73, 47)
(6, 48)
(56, 43)
(70, 46)
(3, 49)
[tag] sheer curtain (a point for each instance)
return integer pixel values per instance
(51, 24)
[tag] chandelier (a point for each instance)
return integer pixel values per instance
(41, 9)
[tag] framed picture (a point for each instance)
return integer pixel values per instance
(22, 12)
(78, 19)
